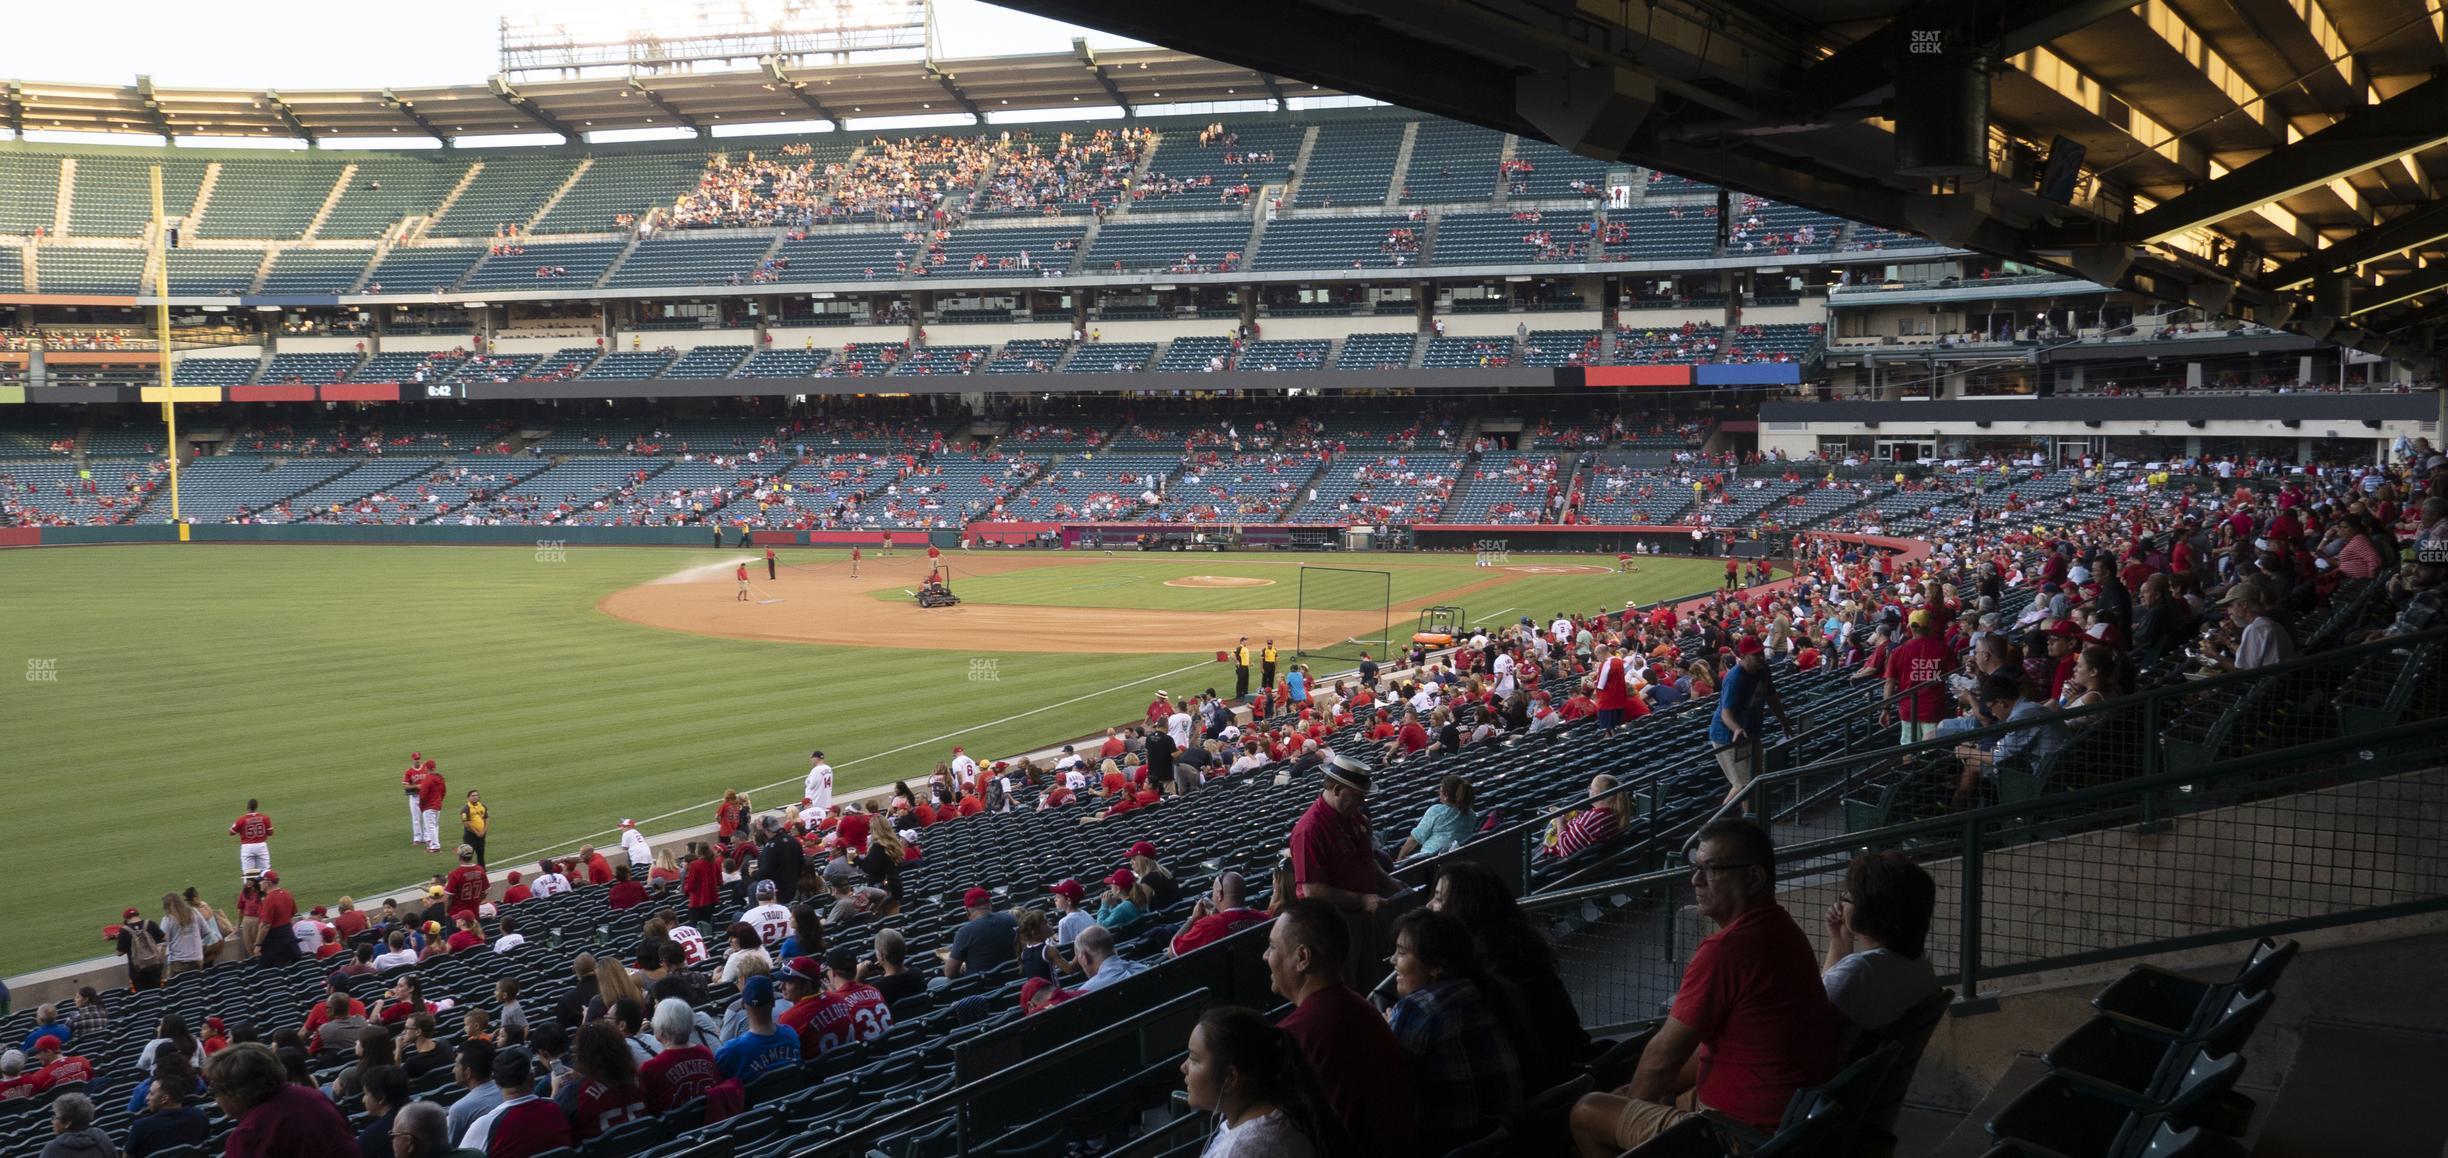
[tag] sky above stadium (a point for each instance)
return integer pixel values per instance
(300, 45)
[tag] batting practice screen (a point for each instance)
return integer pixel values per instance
(1344, 611)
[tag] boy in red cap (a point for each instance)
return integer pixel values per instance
(54, 1066)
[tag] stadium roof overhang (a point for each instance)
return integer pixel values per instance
(775, 90)
(2270, 159)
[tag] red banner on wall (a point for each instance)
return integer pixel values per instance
(1636, 376)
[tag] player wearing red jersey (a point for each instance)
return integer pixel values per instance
(430, 790)
(467, 885)
(416, 764)
(254, 832)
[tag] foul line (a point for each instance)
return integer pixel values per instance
(875, 756)
(1494, 614)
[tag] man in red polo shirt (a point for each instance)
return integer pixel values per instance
(1751, 1011)
(1413, 735)
(598, 870)
(1358, 1062)
(1334, 857)
(1217, 915)
(273, 915)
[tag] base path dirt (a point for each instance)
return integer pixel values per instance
(821, 603)
(1218, 581)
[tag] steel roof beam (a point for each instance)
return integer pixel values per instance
(669, 109)
(798, 89)
(2411, 121)
(289, 117)
(2421, 227)
(510, 96)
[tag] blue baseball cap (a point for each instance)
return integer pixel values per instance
(758, 992)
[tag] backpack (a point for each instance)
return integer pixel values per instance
(144, 949)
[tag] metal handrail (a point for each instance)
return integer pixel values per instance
(1894, 834)
(2128, 702)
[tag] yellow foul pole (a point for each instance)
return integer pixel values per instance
(161, 335)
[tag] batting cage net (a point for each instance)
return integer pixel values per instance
(1344, 611)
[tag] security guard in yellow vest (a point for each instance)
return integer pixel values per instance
(1241, 658)
(1266, 665)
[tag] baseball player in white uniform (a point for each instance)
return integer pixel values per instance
(819, 787)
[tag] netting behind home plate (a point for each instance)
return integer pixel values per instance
(1344, 611)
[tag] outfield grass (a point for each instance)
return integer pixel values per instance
(188, 679)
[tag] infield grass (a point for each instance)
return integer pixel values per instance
(172, 683)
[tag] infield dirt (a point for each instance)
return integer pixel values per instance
(821, 603)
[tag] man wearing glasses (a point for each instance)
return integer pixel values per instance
(1751, 1022)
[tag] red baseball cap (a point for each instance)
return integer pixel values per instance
(803, 969)
(48, 1041)
(2065, 629)
(515, 877)
(1032, 987)
(976, 898)
(271, 877)
(1068, 887)
(1144, 848)
(1123, 879)
(130, 913)
(1749, 645)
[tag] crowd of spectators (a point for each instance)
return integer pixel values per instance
(1088, 173)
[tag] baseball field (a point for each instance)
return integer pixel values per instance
(164, 685)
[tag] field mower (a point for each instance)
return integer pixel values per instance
(1438, 626)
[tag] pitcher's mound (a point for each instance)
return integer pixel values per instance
(1218, 581)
